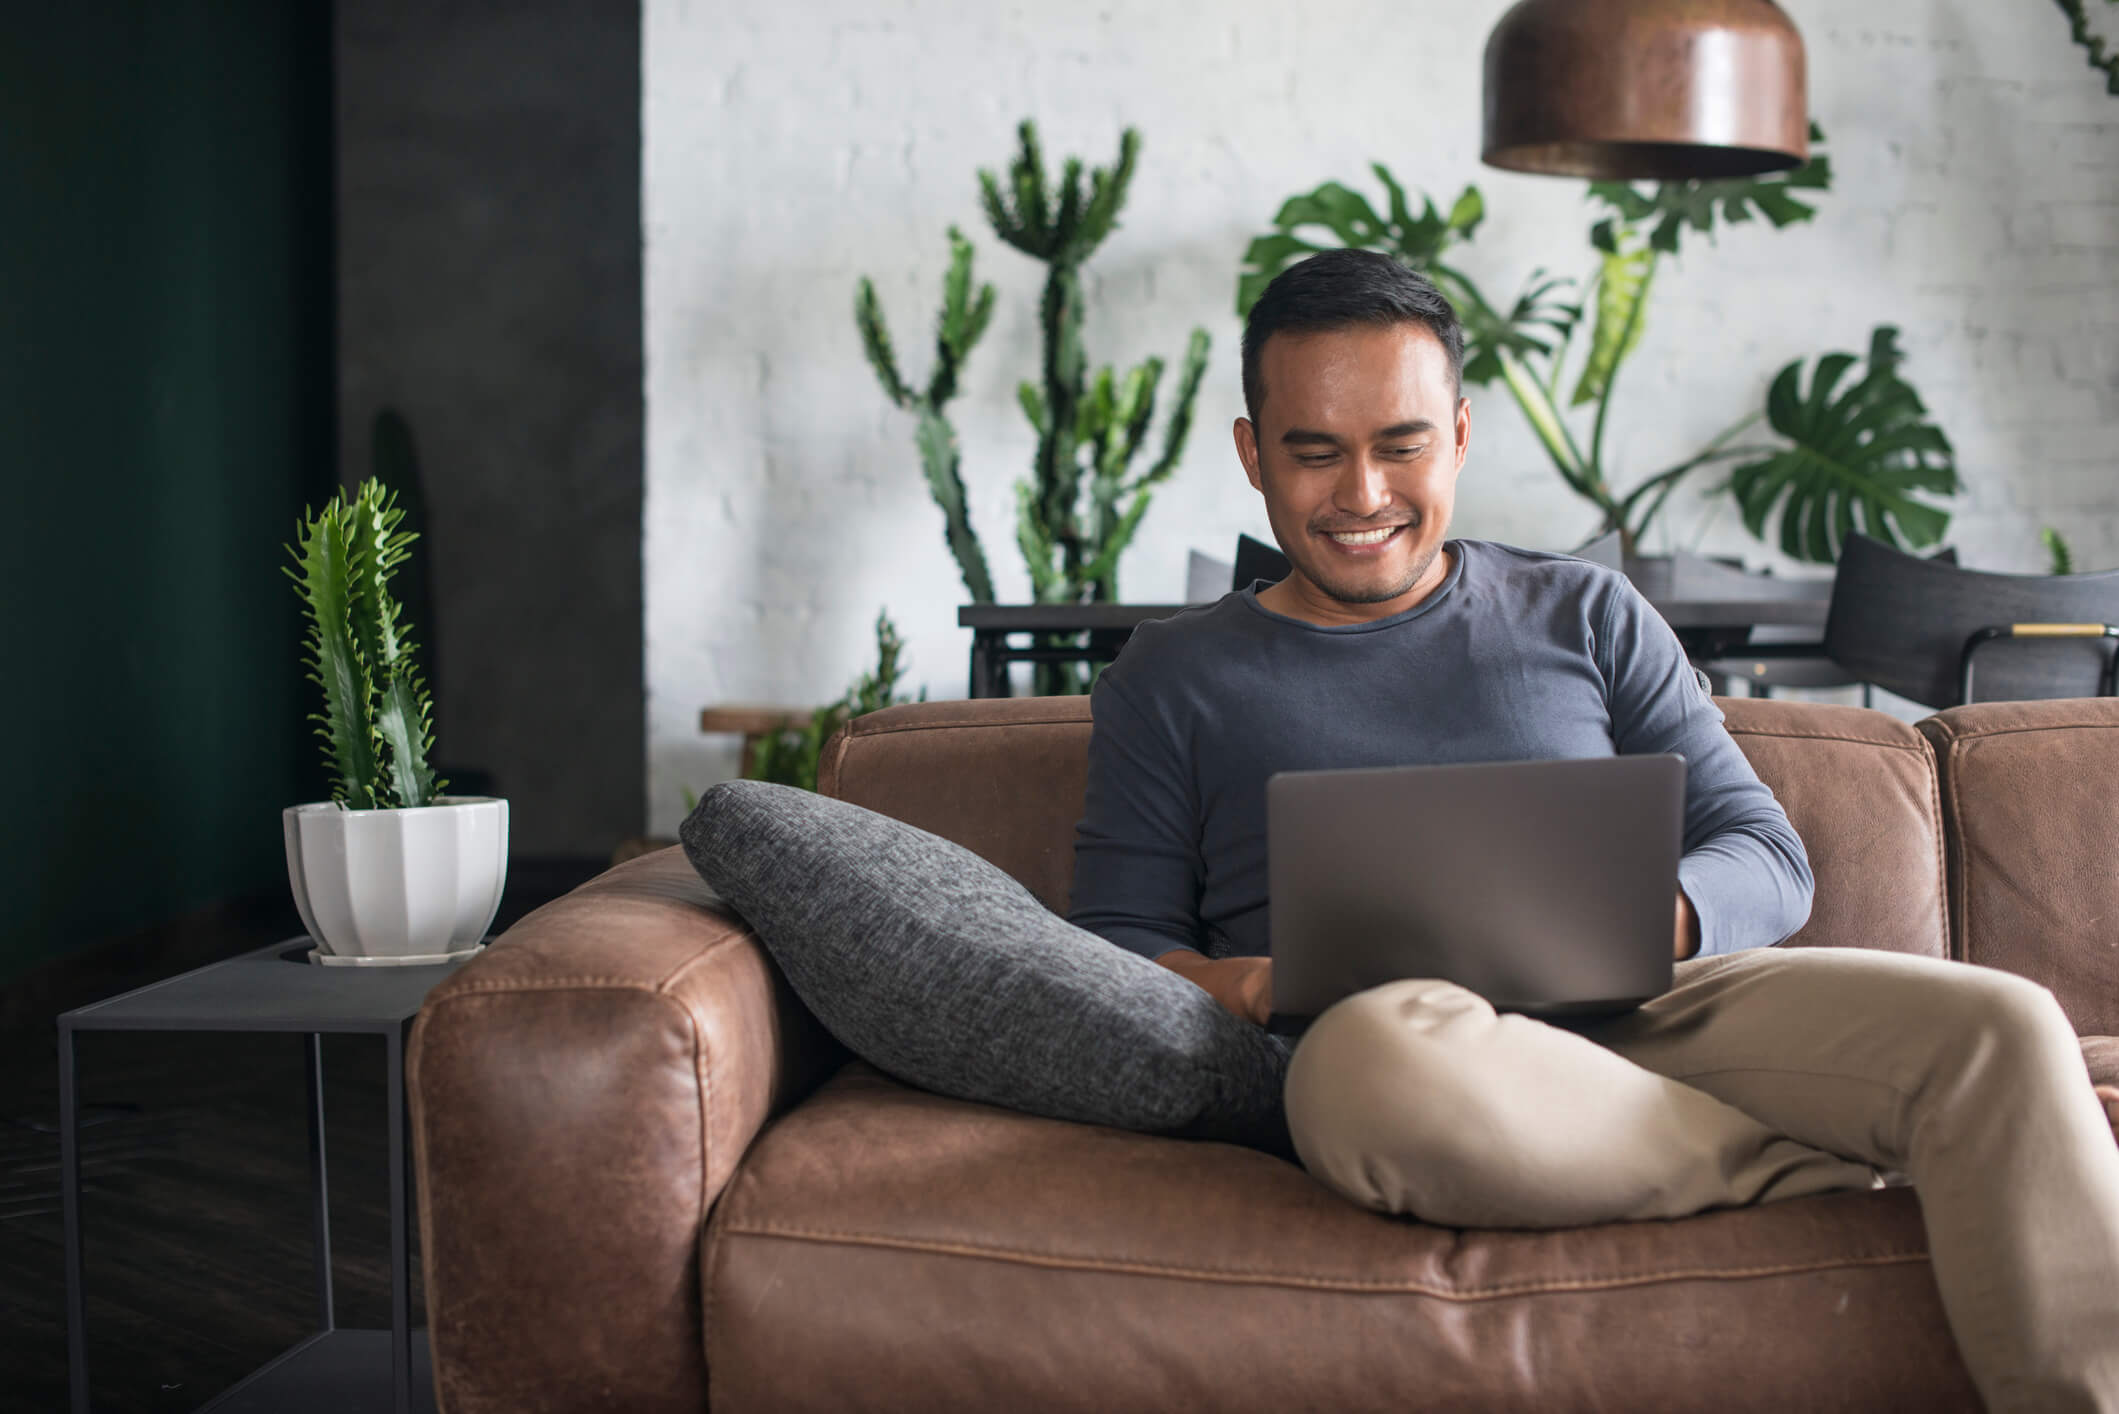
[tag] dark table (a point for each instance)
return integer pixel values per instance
(1713, 607)
(276, 989)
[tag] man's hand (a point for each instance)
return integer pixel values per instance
(1244, 985)
(1687, 941)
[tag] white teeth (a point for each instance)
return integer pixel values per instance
(1362, 537)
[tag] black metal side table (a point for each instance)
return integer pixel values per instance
(275, 989)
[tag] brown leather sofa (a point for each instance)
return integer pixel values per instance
(650, 1182)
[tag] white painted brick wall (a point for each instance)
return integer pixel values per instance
(790, 148)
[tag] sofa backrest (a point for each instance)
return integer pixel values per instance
(1859, 787)
(2030, 798)
(1005, 777)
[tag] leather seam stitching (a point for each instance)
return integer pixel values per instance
(1965, 738)
(1919, 746)
(1240, 1276)
(703, 1081)
(555, 984)
(710, 1250)
(705, 954)
(1961, 890)
(1942, 861)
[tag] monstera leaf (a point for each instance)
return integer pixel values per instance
(1676, 205)
(1533, 324)
(1352, 222)
(1856, 462)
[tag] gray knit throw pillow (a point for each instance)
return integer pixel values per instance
(935, 966)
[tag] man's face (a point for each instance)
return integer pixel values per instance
(1360, 431)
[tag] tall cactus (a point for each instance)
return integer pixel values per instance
(1080, 512)
(1071, 541)
(378, 720)
(963, 319)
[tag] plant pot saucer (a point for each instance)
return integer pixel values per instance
(318, 955)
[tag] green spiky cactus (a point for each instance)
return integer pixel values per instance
(377, 722)
(1081, 510)
(963, 319)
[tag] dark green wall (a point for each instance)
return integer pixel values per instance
(165, 412)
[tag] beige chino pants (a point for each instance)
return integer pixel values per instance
(1759, 1076)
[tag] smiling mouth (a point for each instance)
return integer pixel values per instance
(1357, 538)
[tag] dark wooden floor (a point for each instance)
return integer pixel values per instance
(196, 1214)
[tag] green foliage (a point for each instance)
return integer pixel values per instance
(1083, 503)
(1622, 301)
(791, 757)
(1855, 461)
(962, 321)
(1534, 324)
(1526, 347)
(2061, 558)
(2100, 56)
(377, 722)
(1672, 206)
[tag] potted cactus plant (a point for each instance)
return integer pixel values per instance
(1078, 512)
(389, 870)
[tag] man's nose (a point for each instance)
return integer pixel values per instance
(1363, 490)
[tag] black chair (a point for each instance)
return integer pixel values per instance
(1257, 560)
(1915, 627)
(1792, 657)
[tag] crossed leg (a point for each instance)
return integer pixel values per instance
(1759, 1076)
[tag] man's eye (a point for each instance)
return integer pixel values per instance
(1405, 451)
(1319, 460)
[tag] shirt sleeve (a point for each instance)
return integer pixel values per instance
(1137, 870)
(1744, 867)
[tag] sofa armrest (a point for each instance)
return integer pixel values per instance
(580, 1094)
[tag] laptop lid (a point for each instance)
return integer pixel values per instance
(1544, 886)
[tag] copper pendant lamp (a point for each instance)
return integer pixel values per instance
(1648, 89)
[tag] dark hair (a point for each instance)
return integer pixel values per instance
(1336, 288)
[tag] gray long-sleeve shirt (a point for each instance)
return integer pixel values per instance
(1518, 655)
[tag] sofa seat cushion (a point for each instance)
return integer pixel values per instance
(883, 1248)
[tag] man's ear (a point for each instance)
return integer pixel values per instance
(1247, 451)
(1463, 429)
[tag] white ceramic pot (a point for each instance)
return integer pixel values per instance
(397, 884)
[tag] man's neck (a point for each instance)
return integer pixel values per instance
(1298, 598)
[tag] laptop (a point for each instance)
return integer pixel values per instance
(1547, 887)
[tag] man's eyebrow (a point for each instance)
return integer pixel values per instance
(1306, 436)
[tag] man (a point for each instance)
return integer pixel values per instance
(1762, 1074)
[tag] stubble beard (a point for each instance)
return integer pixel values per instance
(1415, 572)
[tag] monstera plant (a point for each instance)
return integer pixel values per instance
(1852, 461)
(1856, 461)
